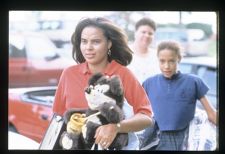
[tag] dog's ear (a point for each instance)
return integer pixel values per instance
(116, 85)
(94, 78)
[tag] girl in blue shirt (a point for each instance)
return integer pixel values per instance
(173, 96)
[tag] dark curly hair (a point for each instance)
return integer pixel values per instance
(170, 45)
(120, 50)
(145, 21)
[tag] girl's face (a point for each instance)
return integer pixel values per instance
(168, 62)
(94, 45)
(144, 35)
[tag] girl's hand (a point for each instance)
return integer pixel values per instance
(105, 135)
(212, 116)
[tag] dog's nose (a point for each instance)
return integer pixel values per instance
(88, 90)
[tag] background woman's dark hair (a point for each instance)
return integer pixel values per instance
(120, 50)
(146, 21)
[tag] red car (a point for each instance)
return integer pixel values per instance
(34, 60)
(30, 110)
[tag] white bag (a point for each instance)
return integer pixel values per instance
(202, 133)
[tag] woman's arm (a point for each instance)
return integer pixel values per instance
(107, 133)
(136, 97)
(212, 114)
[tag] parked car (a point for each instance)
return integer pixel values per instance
(34, 60)
(19, 142)
(191, 40)
(30, 110)
(198, 44)
(205, 68)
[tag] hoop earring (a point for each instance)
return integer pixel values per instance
(109, 52)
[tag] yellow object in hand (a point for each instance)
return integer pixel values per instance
(76, 122)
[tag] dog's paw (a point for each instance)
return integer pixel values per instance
(66, 142)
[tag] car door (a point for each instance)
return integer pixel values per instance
(31, 112)
(18, 66)
(41, 101)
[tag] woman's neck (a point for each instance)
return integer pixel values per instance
(96, 68)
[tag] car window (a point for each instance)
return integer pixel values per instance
(44, 97)
(209, 77)
(15, 52)
(168, 35)
(40, 48)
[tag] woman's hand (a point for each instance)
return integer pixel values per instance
(105, 135)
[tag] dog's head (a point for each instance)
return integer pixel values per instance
(103, 89)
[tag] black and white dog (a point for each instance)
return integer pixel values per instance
(104, 95)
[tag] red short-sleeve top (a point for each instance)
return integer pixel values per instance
(74, 79)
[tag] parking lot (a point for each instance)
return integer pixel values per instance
(36, 62)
